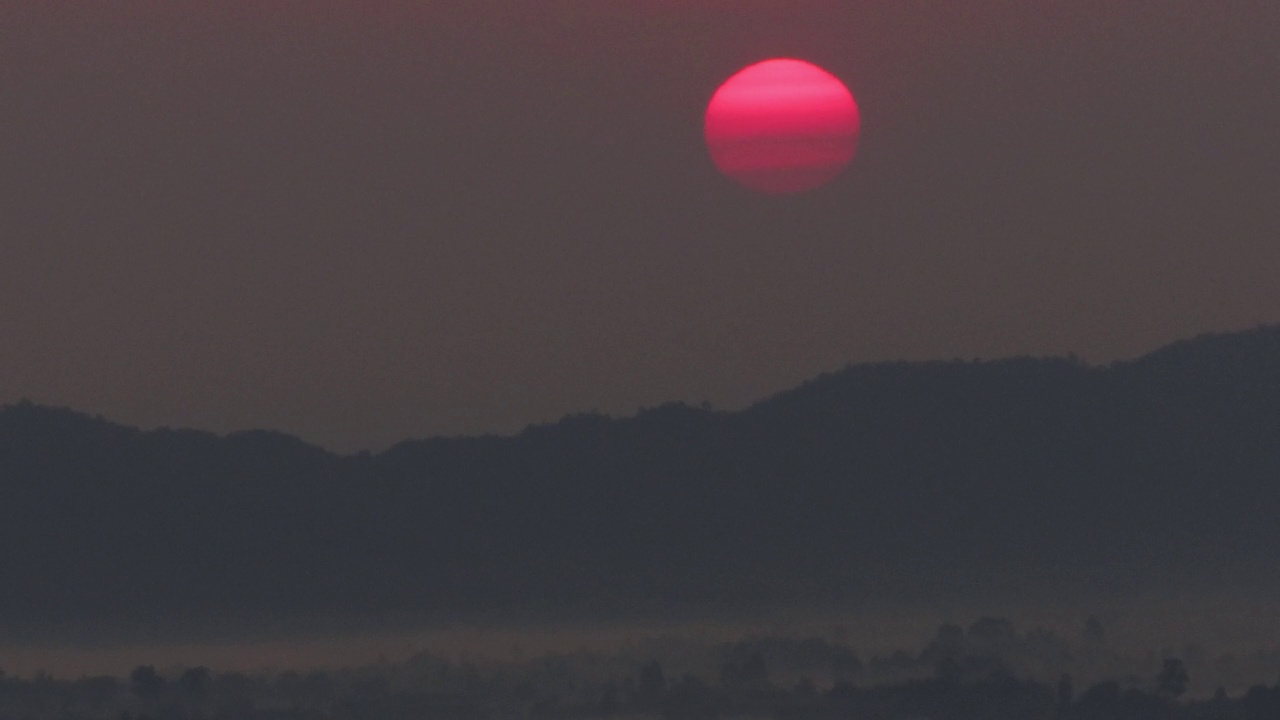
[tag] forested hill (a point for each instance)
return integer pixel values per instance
(878, 476)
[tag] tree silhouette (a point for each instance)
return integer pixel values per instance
(1173, 679)
(194, 684)
(754, 673)
(653, 683)
(146, 683)
(1066, 690)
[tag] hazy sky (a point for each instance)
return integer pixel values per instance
(366, 220)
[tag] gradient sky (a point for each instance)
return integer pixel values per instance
(366, 220)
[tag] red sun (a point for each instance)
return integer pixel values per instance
(782, 126)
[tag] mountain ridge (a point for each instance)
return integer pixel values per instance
(1224, 345)
(886, 477)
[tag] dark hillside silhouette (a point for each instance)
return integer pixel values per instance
(874, 475)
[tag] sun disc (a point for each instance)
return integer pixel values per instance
(782, 126)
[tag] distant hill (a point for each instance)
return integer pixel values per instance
(880, 478)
